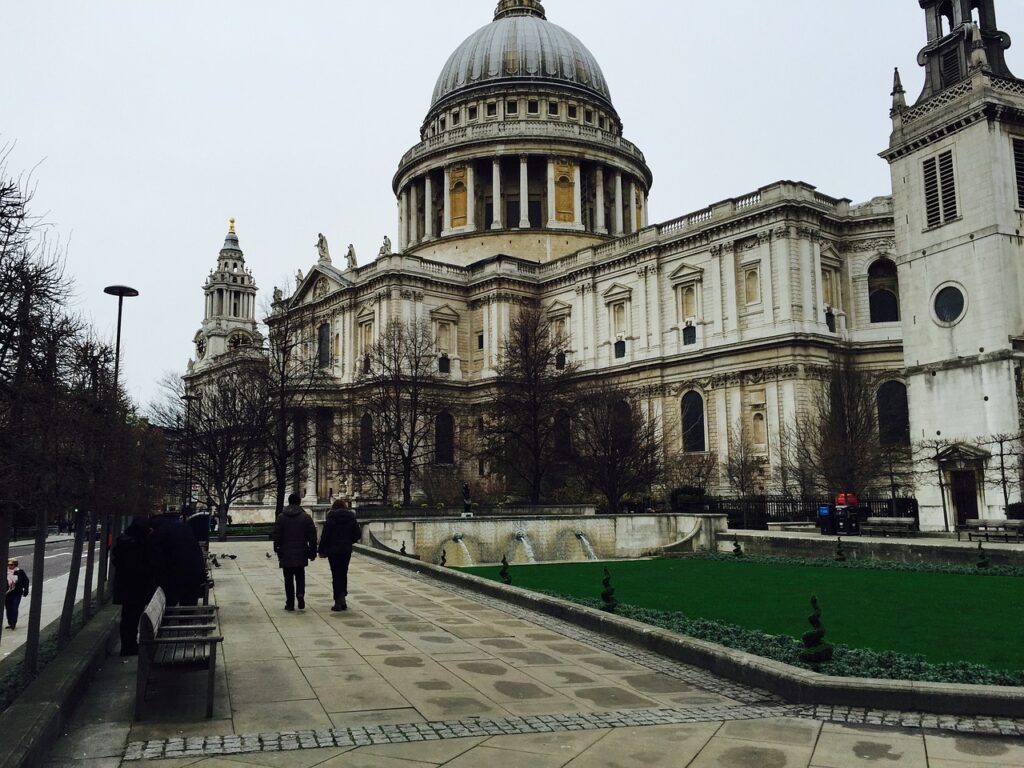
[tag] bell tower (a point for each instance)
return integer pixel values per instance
(957, 162)
(229, 316)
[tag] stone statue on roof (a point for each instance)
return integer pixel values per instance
(350, 257)
(323, 250)
(298, 277)
(385, 249)
(278, 295)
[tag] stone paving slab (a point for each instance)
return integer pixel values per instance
(394, 682)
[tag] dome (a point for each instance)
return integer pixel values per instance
(521, 46)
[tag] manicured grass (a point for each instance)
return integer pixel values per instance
(944, 617)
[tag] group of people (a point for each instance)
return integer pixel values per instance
(295, 542)
(159, 551)
(17, 588)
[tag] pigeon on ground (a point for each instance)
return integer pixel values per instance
(216, 563)
(268, 555)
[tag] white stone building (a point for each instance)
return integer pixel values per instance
(522, 186)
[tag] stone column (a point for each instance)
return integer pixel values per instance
(618, 204)
(446, 193)
(496, 193)
(524, 192)
(644, 312)
(413, 215)
(577, 202)
(728, 264)
(309, 487)
(470, 198)
(600, 226)
(767, 273)
(403, 219)
(780, 256)
(428, 208)
(819, 294)
(486, 313)
(656, 313)
(644, 222)
(807, 287)
(634, 223)
(552, 218)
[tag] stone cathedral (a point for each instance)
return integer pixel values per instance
(523, 186)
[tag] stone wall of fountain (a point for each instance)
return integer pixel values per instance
(474, 541)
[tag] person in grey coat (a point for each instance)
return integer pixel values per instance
(295, 545)
(341, 531)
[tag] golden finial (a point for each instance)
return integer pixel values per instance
(231, 228)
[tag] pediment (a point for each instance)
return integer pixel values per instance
(962, 454)
(686, 273)
(322, 281)
(446, 313)
(366, 312)
(559, 308)
(617, 292)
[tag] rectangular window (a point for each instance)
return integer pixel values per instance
(455, 118)
(690, 335)
(939, 189)
(951, 68)
(492, 109)
(588, 117)
(473, 111)
(619, 319)
(602, 123)
(512, 108)
(533, 107)
(553, 109)
(1018, 162)
(441, 123)
(479, 341)
(574, 112)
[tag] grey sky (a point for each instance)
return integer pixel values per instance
(158, 120)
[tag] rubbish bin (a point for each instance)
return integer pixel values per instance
(827, 519)
(847, 521)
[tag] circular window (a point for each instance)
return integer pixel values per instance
(949, 304)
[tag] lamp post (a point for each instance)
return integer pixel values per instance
(122, 292)
(187, 500)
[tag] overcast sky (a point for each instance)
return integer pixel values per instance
(154, 122)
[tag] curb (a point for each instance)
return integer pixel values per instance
(797, 685)
(34, 722)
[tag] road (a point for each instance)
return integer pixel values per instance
(57, 557)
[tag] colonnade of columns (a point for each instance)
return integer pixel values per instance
(615, 204)
(220, 302)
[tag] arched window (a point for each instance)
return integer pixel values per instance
(444, 438)
(893, 414)
(884, 292)
(565, 199)
(693, 423)
(323, 345)
(459, 204)
(366, 439)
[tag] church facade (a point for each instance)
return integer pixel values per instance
(723, 321)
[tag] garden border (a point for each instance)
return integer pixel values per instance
(799, 686)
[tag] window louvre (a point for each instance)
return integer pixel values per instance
(939, 190)
(1018, 161)
(951, 68)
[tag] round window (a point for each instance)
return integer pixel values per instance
(949, 304)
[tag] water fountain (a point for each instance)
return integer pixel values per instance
(527, 546)
(458, 539)
(591, 554)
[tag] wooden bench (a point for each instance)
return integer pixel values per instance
(988, 528)
(177, 638)
(886, 526)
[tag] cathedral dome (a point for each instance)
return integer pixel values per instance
(521, 46)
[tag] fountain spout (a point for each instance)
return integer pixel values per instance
(457, 538)
(520, 535)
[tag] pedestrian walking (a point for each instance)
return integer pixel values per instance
(295, 545)
(179, 566)
(341, 531)
(134, 582)
(17, 588)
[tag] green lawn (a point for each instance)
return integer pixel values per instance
(944, 617)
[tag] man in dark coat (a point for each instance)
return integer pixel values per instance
(295, 545)
(133, 582)
(178, 564)
(341, 531)
(17, 588)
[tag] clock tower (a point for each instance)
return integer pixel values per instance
(957, 162)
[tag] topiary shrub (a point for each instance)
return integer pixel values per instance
(608, 601)
(737, 550)
(402, 549)
(506, 577)
(816, 651)
(840, 555)
(444, 559)
(982, 558)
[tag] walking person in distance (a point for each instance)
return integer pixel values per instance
(17, 588)
(341, 531)
(295, 545)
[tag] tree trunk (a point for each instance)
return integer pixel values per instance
(35, 613)
(101, 582)
(222, 522)
(90, 562)
(66, 615)
(5, 546)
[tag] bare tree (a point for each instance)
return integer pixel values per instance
(744, 467)
(695, 471)
(400, 391)
(534, 392)
(616, 447)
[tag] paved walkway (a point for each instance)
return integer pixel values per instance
(53, 604)
(419, 674)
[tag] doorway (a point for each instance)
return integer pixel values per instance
(964, 490)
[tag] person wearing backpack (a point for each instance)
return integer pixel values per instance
(17, 588)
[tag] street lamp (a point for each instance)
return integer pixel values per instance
(121, 291)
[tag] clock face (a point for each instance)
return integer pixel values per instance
(201, 348)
